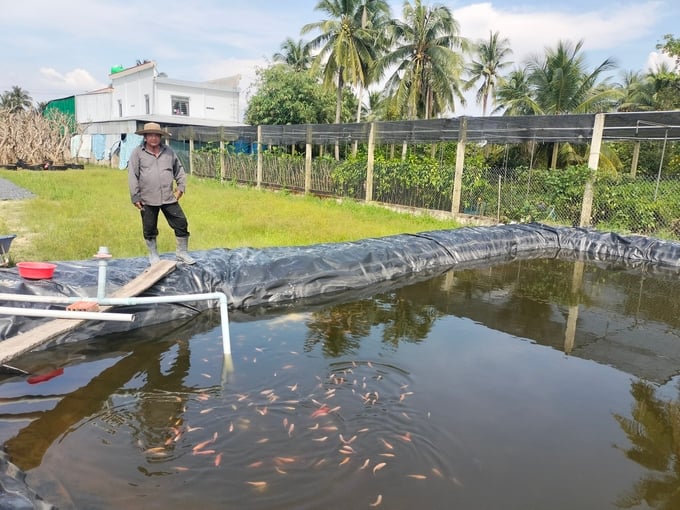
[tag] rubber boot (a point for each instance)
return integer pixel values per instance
(153, 250)
(182, 254)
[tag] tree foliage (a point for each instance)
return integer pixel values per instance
(489, 59)
(286, 96)
(294, 53)
(671, 47)
(345, 48)
(427, 57)
(16, 100)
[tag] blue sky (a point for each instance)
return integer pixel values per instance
(56, 48)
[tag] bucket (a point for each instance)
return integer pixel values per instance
(6, 242)
(36, 270)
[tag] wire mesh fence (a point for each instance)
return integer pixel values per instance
(643, 204)
(415, 164)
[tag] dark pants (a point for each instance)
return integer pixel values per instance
(172, 212)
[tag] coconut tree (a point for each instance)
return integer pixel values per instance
(489, 61)
(513, 95)
(294, 53)
(372, 15)
(653, 432)
(666, 83)
(427, 60)
(561, 83)
(16, 99)
(345, 48)
(637, 92)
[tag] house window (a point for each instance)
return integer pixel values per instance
(120, 108)
(147, 104)
(180, 105)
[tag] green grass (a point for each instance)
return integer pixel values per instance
(76, 211)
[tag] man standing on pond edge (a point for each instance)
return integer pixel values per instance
(157, 181)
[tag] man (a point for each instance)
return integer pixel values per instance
(157, 181)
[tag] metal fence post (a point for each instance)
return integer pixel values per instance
(593, 161)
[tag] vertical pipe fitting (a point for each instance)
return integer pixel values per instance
(102, 255)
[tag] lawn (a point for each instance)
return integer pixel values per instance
(76, 211)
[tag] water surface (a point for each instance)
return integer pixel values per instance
(533, 384)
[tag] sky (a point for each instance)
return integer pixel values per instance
(58, 48)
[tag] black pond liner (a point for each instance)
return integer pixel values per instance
(258, 281)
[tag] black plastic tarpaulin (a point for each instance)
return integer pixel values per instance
(273, 277)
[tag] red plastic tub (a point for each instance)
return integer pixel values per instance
(36, 270)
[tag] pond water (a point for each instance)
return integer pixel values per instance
(532, 384)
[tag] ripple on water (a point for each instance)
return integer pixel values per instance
(354, 433)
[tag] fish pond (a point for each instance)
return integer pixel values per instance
(546, 384)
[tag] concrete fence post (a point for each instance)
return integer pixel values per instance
(593, 161)
(460, 163)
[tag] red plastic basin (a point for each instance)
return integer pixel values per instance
(36, 270)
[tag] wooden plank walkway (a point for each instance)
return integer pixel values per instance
(12, 347)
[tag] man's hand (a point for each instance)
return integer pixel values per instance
(139, 205)
(178, 194)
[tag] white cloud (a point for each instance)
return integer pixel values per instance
(531, 31)
(656, 59)
(75, 81)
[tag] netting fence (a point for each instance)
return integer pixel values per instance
(415, 165)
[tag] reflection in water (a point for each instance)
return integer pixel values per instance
(654, 433)
(482, 388)
(403, 318)
(139, 359)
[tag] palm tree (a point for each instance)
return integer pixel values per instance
(427, 76)
(295, 54)
(562, 84)
(514, 95)
(345, 48)
(653, 432)
(16, 99)
(373, 15)
(637, 92)
(491, 60)
(666, 84)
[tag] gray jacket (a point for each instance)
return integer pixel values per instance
(152, 178)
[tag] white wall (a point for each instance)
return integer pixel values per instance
(130, 89)
(205, 101)
(210, 103)
(95, 107)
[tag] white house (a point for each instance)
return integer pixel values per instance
(141, 94)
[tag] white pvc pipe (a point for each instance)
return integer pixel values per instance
(65, 314)
(183, 298)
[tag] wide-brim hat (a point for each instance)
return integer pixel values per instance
(151, 128)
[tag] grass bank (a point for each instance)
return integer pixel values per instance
(76, 211)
